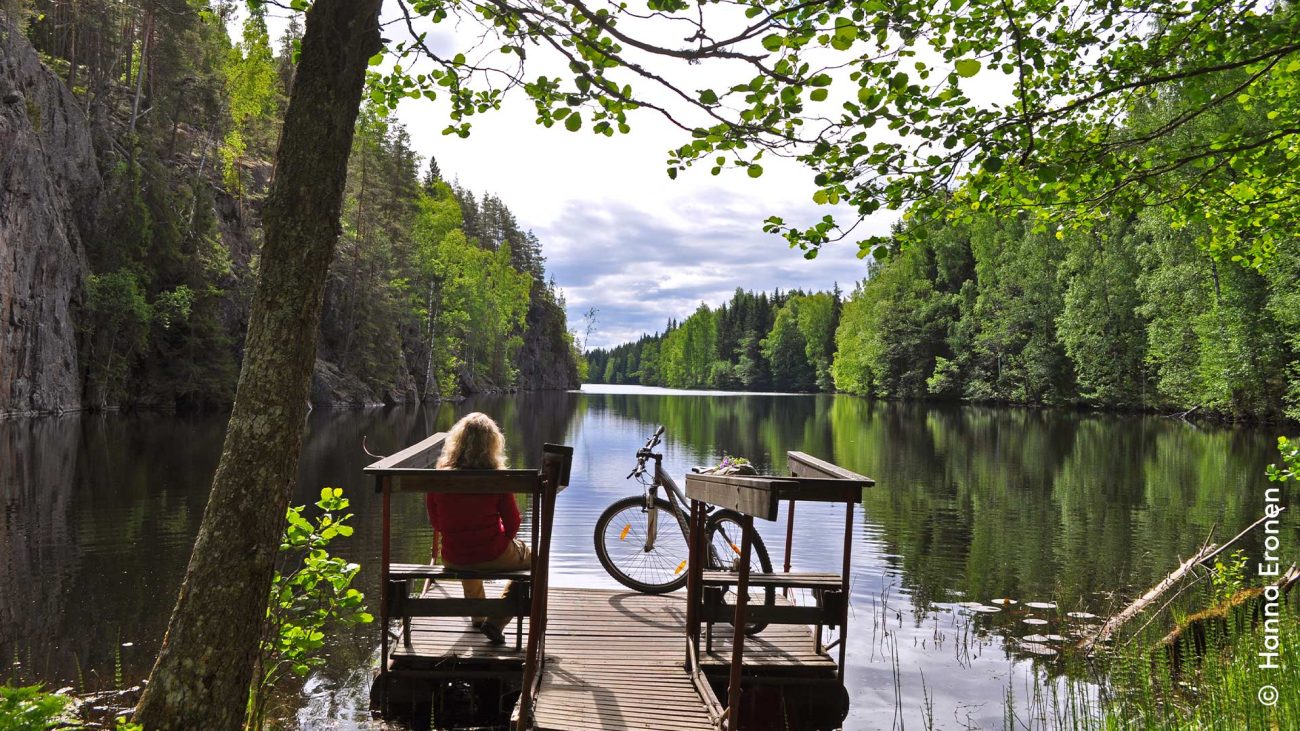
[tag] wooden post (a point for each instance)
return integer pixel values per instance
(694, 575)
(738, 625)
(385, 533)
(789, 542)
(844, 588)
(549, 476)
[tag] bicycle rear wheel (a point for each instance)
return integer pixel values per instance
(620, 545)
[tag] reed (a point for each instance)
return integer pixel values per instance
(1137, 687)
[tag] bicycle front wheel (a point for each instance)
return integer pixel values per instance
(620, 539)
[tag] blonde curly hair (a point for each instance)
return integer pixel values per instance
(474, 443)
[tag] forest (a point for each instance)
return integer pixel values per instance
(1138, 266)
(186, 122)
(1129, 314)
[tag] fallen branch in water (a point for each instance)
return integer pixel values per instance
(1203, 556)
(1119, 620)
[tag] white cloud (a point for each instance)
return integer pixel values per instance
(618, 234)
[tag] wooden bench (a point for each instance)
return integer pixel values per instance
(412, 471)
(405, 602)
(760, 496)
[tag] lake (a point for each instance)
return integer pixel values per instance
(971, 504)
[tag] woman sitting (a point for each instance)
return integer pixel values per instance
(478, 529)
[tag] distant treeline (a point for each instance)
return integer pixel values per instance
(1130, 314)
(756, 342)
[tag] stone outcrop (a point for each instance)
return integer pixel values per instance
(333, 387)
(49, 191)
(544, 361)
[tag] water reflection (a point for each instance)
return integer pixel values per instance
(972, 504)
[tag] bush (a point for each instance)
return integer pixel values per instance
(311, 593)
(27, 708)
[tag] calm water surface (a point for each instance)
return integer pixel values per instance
(972, 504)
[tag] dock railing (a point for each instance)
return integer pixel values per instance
(811, 479)
(412, 471)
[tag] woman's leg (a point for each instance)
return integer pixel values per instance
(516, 557)
(473, 589)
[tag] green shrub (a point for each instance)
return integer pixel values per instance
(27, 708)
(310, 594)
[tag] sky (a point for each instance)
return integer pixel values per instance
(619, 236)
(622, 237)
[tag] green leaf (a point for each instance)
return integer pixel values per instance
(968, 67)
(818, 95)
(573, 122)
(377, 59)
(708, 96)
(755, 171)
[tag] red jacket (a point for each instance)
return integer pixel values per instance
(474, 527)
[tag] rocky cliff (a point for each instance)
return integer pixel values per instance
(545, 361)
(128, 242)
(49, 188)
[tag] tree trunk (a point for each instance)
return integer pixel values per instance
(139, 73)
(202, 675)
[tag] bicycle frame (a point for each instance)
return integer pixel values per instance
(676, 498)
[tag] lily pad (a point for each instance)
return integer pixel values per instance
(1040, 605)
(1035, 621)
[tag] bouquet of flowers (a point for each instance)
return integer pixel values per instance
(731, 466)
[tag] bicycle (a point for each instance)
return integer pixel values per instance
(638, 555)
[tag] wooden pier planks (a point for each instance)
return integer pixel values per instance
(614, 660)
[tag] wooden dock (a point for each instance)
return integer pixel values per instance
(614, 660)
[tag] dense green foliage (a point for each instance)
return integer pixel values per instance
(186, 122)
(28, 709)
(1130, 314)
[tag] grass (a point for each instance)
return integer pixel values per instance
(1221, 693)
(1139, 689)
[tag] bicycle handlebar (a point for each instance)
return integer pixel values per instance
(642, 453)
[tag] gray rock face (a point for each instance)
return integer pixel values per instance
(544, 361)
(49, 189)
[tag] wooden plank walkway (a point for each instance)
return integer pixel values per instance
(614, 660)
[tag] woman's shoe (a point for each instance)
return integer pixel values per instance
(493, 633)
